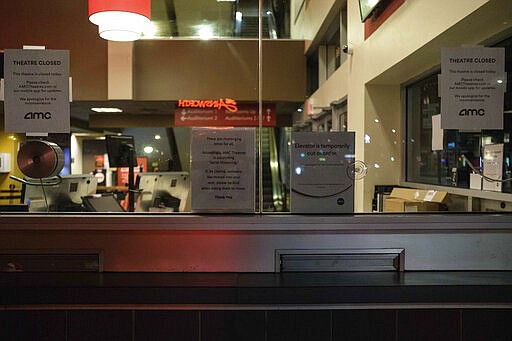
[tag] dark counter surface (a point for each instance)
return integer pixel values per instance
(455, 287)
(442, 222)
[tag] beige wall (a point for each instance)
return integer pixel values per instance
(406, 46)
(193, 69)
(383, 153)
(310, 19)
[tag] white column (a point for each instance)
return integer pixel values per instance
(120, 70)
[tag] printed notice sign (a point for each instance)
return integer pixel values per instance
(223, 169)
(36, 91)
(493, 167)
(322, 178)
(437, 133)
(473, 83)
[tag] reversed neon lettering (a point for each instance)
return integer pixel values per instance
(228, 103)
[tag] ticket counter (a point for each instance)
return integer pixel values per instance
(268, 273)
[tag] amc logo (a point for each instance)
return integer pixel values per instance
(472, 112)
(38, 116)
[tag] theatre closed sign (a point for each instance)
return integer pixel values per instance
(473, 83)
(37, 91)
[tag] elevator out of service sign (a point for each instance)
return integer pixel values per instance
(36, 91)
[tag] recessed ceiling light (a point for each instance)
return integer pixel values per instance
(107, 110)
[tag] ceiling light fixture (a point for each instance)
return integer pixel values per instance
(150, 30)
(107, 110)
(120, 20)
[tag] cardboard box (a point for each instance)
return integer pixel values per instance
(414, 200)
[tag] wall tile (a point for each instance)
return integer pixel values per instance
(363, 325)
(428, 325)
(100, 325)
(40, 325)
(487, 324)
(299, 325)
(232, 325)
(156, 325)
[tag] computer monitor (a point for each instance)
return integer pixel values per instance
(118, 150)
(163, 191)
(102, 203)
(64, 196)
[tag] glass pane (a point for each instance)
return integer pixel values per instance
(192, 70)
(287, 65)
(218, 19)
(461, 159)
(422, 103)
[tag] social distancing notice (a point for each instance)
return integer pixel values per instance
(223, 169)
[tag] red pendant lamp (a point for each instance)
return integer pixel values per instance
(120, 20)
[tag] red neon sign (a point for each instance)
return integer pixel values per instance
(228, 104)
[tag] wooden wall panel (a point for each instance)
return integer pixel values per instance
(59, 24)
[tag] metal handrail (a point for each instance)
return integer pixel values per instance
(277, 186)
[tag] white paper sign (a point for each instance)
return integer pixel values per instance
(430, 195)
(322, 180)
(223, 169)
(36, 91)
(473, 82)
(437, 133)
(493, 167)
